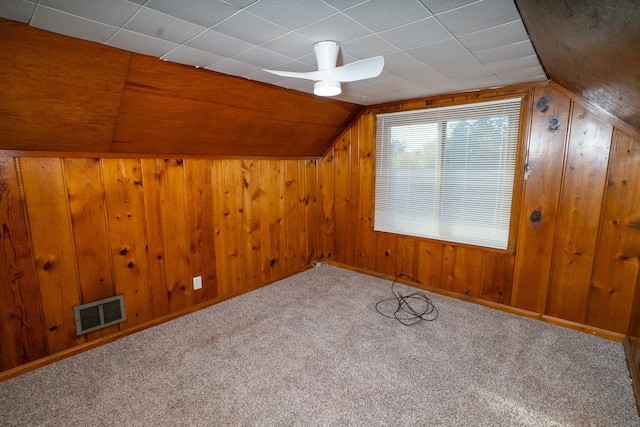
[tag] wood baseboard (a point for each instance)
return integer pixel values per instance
(30, 366)
(633, 372)
(614, 336)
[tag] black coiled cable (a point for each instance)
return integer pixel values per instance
(407, 309)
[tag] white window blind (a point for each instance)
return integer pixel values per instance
(447, 173)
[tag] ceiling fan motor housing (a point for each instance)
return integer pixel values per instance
(326, 54)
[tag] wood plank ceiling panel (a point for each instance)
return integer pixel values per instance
(592, 48)
(174, 109)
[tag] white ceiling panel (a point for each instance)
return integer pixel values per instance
(287, 13)
(399, 62)
(202, 12)
(452, 65)
(430, 46)
(505, 53)
(515, 64)
(433, 53)
(140, 43)
(189, 56)
(368, 46)
(400, 13)
(495, 37)
(261, 57)
(218, 43)
(156, 24)
(439, 6)
(291, 44)
(261, 29)
(420, 33)
(344, 4)
(111, 12)
(479, 16)
(233, 67)
(49, 19)
(18, 10)
(338, 27)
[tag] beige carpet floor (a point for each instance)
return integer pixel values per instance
(312, 350)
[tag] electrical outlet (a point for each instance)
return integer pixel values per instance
(197, 283)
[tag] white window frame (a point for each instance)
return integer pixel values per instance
(449, 173)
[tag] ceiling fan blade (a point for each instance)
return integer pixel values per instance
(311, 75)
(359, 70)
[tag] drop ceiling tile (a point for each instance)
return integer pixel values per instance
(344, 4)
(70, 25)
(337, 27)
(439, 6)
(17, 10)
(506, 53)
(291, 14)
(420, 74)
(261, 57)
(218, 43)
(296, 66)
(480, 82)
(502, 35)
(399, 61)
(469, 72)
(190, 56)
(420, 33)
(367, 46)
(250, 28)
(379, 15)
(442, 50)
(110, 12)
(140, 43)
(292, 44)
(162, 26)
(233, 67)
(479, 16)
(389, 82)
(241, 3)
(444, 87)
(460, 62)
(297, 84)
(201, 12)
(514, 64)
(527, 75)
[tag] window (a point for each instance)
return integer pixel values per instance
(448, 173)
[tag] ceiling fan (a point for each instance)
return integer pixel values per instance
(328, 77)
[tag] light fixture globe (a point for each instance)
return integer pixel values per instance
(327, 88)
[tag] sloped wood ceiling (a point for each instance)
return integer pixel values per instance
(60, 94)
(592, 48)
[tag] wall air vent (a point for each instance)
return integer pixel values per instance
(99, 314)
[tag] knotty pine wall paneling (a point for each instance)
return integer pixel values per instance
(130, 257)
(87, 209)
(580, 205)
(544, 165)
(617, 259)
(577, 265)
(79, 229)
(50, 227)
(202, 255)
(21, 325)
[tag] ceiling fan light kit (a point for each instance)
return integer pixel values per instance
(327, 88)
(329, 77)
